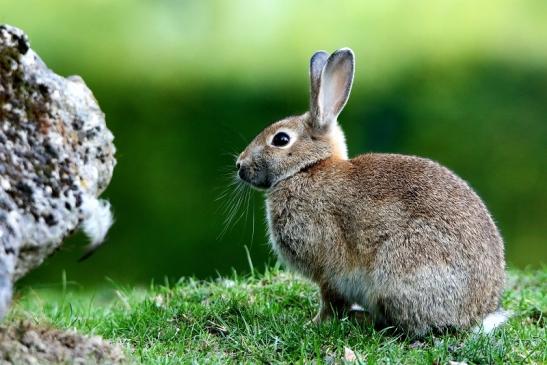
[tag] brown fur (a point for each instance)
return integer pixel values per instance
(399, 235)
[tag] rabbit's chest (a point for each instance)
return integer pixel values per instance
(298, 234)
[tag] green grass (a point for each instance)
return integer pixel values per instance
(264, 318)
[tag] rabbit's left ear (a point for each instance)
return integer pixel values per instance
(332, 87)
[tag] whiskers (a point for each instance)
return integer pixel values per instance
(236, 199)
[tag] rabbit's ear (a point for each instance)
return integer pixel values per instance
(317, 64)
(334, 87)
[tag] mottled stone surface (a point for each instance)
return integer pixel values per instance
(56, 157)
(24, 343)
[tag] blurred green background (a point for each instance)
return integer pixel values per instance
(185, 84)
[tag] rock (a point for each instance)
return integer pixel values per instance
(26, 343)
(56, 157)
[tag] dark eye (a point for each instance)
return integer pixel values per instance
(281, 139)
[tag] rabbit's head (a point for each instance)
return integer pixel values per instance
(296, 143)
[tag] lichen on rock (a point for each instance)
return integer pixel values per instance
(56, 158)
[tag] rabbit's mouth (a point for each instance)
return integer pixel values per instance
(259, 181)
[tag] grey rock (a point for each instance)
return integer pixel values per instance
(56, 158)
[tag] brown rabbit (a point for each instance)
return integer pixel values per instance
(401, 236)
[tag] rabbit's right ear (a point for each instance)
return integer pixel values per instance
(317, 64)
(331, 80)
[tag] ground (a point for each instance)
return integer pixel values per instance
(264, 318)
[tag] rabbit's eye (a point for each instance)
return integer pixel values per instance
(281, 139)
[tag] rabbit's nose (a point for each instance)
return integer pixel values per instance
(243, 172)
(238, 165)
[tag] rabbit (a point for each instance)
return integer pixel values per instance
(401, 236)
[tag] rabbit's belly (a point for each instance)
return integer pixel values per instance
(356, 287)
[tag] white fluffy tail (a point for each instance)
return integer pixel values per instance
(493, 321)
(97, 219)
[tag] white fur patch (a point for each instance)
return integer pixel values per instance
(493, 321)
(97, 219)
(339, 142)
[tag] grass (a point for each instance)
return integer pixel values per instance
(264, 318)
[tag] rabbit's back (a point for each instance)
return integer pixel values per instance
(407, 196)
(438, 256)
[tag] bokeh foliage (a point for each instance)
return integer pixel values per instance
(185, 84)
